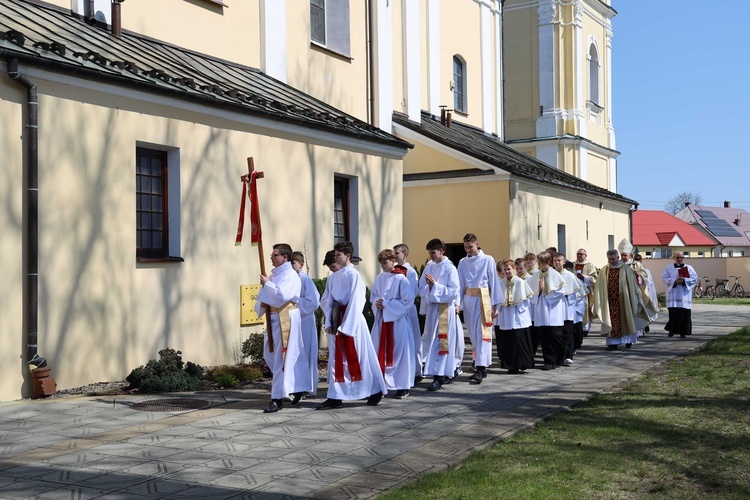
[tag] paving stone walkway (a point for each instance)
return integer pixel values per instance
(92, 447)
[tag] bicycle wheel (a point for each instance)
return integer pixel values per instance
(697, 292)
(739, 291)
(710, 292)
(721, 291)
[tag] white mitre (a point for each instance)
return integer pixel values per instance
(625, 247)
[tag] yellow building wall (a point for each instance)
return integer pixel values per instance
(422, 159)
(12, 254)
(460, 34)
(339, 81)
(521, 73)
(598, 170)
(101, 313)
(234, 30)
(597, 132)
(449, 211)
(536, 212)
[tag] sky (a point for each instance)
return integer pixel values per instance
(681, 100)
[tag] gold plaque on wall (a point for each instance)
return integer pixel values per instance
(248, 298)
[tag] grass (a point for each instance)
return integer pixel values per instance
(680, 431)
(724, 301)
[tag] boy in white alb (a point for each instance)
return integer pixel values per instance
(438, 289)
(392, 298)
(306, 374)
(401, 251)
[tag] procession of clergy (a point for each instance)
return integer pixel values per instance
(539, 299)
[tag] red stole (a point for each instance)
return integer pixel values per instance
(385, 349)
(345, 347)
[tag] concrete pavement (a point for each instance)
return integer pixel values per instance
(105, 447)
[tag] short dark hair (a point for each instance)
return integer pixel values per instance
(470, 238)
(344, 247)
(568, 265)
(330, 258)
(520, 261)
(298, 257)
(436, 244)
(284, 249)
(402, 247)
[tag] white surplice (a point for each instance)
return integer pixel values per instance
(444, 291)
(398, 300)
(347, 288)
(478, 271)
(306, 377)
(283, 286)
(413, 278)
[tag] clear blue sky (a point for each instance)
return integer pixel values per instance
(681, 90)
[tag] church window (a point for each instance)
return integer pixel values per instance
(459, 84)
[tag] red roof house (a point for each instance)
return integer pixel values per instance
(658, 234)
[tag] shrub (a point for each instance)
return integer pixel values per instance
(167, 375)
(252, 347)
(228, 380)
(243, 373)
(661, 297)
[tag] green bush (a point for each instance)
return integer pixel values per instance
(228, 380)
(662, 298)
(252, 347)
(243, 373)
(167, 374)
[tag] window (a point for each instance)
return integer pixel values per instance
(459, 84)
(686, 255)
(593, 74)
(152, 233)
(157, 215)
(561, 244)
(648, 255)
(701, 255)
(341, 210)
(329, 25)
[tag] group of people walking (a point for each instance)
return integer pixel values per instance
(535, 300)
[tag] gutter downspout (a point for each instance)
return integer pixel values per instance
(630, 221)
(32, 209)
(369, 12)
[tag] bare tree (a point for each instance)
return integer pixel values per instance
(679, 201)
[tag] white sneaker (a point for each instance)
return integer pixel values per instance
(567, 362)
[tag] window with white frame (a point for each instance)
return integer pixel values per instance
(329, 25)
(459, 84)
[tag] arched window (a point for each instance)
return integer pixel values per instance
(593, 74)
(459, 84)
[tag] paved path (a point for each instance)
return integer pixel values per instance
(90, 447)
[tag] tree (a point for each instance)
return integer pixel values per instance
(678, 202)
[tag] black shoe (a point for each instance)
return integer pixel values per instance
(418, 379)
(683, 336)
(477, 378)
(374, 399)
(612, 347)
(274, 406)
(548, 367)
(296, 397)
(628, 345)
(434, 386)
(646, 330)
(401, 394)
(670, 334)
(446, 380)
(330, 404)
(514, 371)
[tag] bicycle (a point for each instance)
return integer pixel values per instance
(701, 290)
(735, 291)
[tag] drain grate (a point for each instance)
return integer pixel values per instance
(175, 404)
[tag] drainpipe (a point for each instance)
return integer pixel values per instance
(630, 221)
(32, 208)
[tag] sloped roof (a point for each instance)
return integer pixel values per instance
(52, 38)
(658, 228)
(720, 222)
(489, 149)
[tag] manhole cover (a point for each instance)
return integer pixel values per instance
(170, 404)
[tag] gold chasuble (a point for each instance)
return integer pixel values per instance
(619, 303)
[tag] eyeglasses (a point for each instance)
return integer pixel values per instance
(275, 255)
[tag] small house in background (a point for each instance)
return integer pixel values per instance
(657, 235)
(730, 227)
